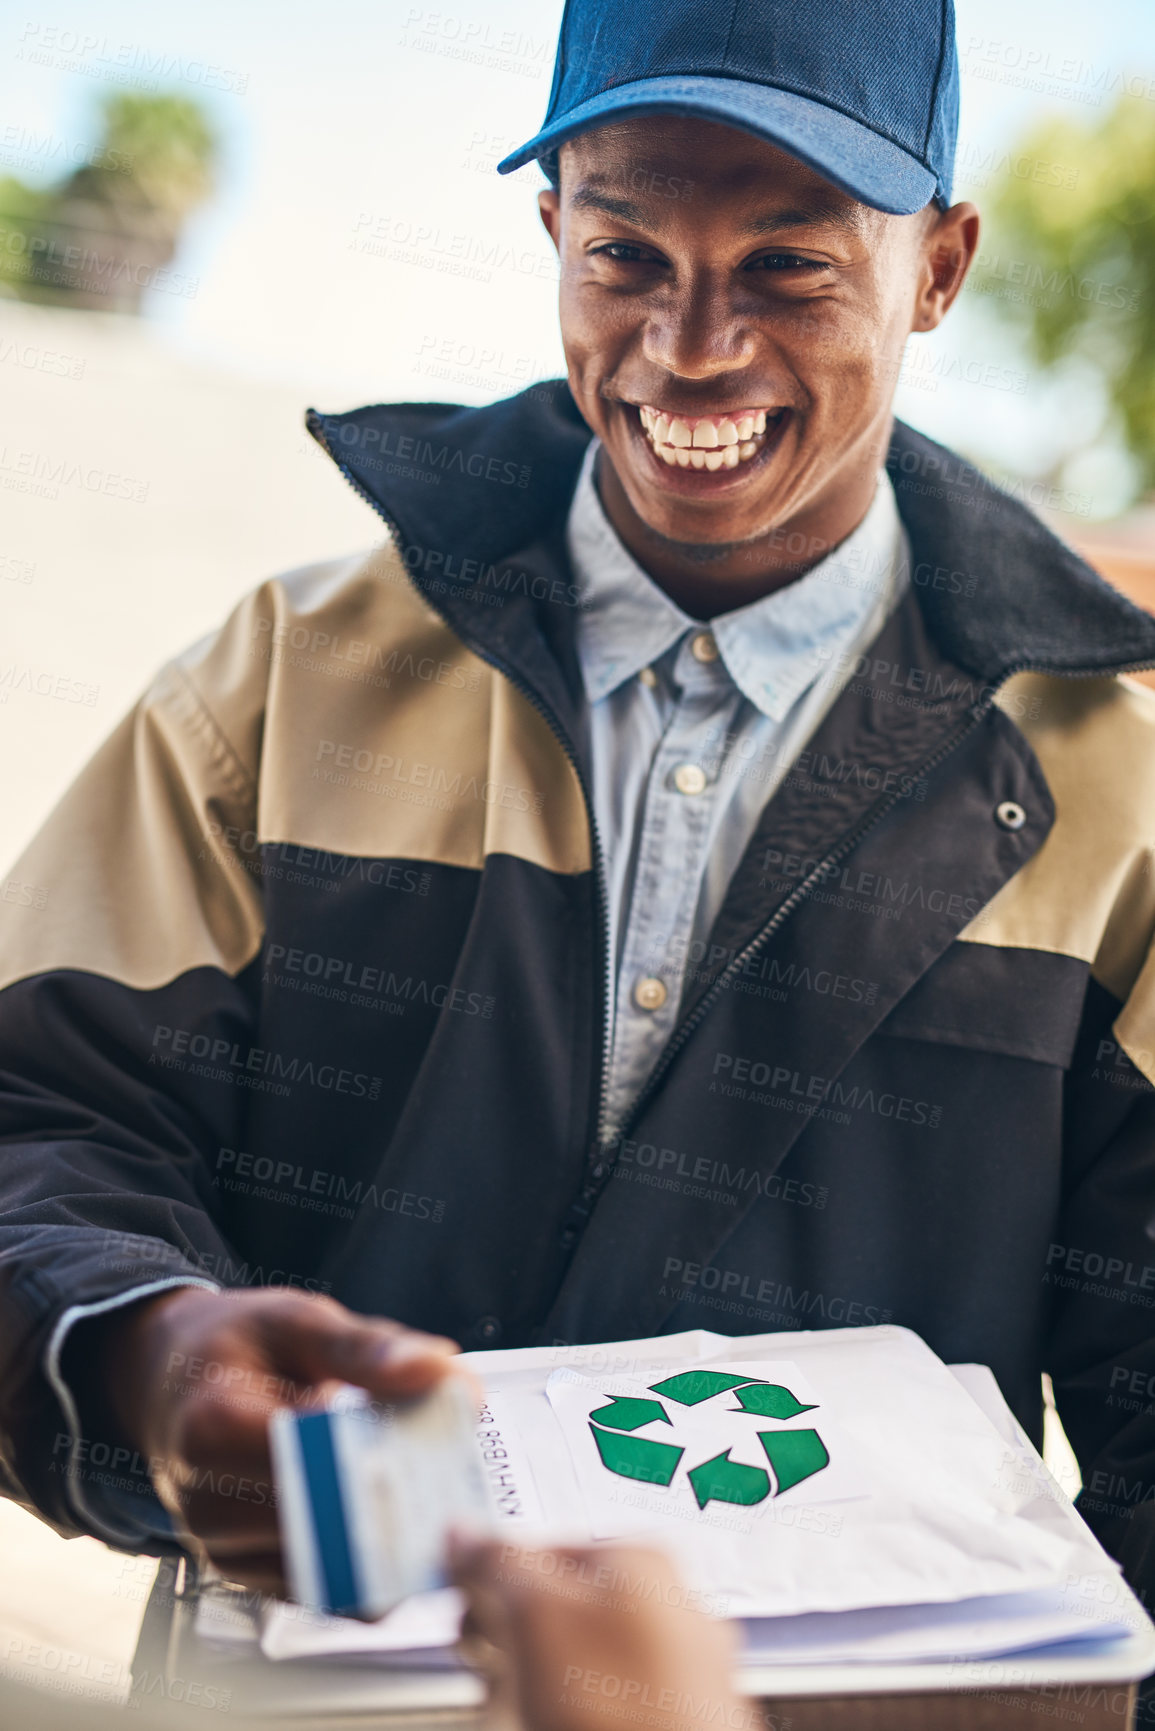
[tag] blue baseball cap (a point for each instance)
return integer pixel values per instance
(865, 92)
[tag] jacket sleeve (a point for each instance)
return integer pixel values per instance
(1101, 1274)
(125, 933)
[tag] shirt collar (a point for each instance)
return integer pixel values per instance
(773, 648)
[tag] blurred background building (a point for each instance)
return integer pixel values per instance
(212, 216)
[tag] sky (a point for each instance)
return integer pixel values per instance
(361, 244)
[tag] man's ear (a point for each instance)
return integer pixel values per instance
(549, 204)
(948, 250)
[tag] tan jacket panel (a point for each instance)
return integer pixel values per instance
(1090, 890)
(334, 710)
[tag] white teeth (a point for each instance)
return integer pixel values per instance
(710, 444)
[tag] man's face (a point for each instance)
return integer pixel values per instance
(733, 324)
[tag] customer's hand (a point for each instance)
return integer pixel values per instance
(571, 1639)
(189, 1378)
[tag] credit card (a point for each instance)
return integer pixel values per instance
(368, 1493)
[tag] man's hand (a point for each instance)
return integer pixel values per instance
(576, 1637)
(189, 1379)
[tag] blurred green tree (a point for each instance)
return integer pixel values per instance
(156, 150)
(1069, 259)
(105, 232)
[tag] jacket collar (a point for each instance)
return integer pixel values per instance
(469, 490)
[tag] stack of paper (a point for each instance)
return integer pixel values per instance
(844, 1494)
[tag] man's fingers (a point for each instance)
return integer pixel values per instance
(259, 1571)
(317, 1341)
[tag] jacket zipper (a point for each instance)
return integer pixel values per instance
(563, 740)
(781, 914)
(778, 919)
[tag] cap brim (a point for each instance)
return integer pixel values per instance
(859, 161)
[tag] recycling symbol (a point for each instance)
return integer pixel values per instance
(792, 1455)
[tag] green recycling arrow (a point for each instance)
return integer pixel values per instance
(636, 1457)
(794, 1455)
(769, 1400)
(722, 1480)
(627, 1412)
(690, 1387)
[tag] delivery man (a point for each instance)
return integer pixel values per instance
(695, 872)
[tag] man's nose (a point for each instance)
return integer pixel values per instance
(699, 334)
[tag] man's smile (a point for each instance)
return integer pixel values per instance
(704, 453)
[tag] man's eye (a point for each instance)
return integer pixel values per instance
(622, 252)
(786, 261)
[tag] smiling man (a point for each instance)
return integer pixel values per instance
(693, 875)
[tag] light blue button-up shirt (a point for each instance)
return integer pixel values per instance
(692, 729)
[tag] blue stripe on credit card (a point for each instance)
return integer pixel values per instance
(315, 1436)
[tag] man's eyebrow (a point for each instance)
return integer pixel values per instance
(586, 197)
(848, 217)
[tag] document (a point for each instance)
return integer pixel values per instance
(841, 1494)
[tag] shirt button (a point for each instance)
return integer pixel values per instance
(703, 647)
(648, 678)
(488, 1329)
(689, 778)
(650, 993)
